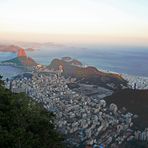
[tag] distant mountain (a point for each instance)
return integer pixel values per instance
(21, 60)
(37, 45)
(9, 48)
(89, 75)
(135, 101)
(13, 48)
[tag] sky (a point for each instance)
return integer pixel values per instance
(94, 21)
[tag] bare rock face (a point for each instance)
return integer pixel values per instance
(21, 53)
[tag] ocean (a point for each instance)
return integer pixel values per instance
(133, 61)
(6, 56)
(128, 60)
(8, 71)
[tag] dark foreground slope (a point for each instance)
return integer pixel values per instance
(25, 123)
(135, 101)
(89, 75)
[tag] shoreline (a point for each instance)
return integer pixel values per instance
(140, 82)
(10, 71)
(134, 81)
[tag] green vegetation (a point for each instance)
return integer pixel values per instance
(1, 81)
(25, 123)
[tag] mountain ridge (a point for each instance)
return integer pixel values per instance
(90, 74)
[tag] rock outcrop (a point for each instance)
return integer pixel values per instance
(21, 60)
(21, 53)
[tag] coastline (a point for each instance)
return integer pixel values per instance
(9, 71)
(140, 82)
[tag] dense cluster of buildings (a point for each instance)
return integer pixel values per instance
(143, 136)
(136, 82)
(81, 118)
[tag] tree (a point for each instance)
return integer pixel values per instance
(1, 81)
(26, 124)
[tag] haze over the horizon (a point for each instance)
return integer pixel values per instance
(90, 21)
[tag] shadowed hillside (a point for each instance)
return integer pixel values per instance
(25, 123)
(135, 101)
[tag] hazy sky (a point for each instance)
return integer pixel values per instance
(121, 21)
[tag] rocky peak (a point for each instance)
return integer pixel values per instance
(21, 53)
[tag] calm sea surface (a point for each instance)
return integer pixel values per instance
(122, 60)
(8, 71)
(126, 60)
